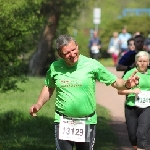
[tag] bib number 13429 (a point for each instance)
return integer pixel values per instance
(72, 130)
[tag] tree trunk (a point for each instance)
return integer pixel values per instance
(39, 58)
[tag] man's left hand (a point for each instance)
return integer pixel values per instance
(132, 81)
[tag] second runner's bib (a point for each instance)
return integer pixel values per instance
(142, 99)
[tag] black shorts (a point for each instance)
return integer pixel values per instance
(68, 145)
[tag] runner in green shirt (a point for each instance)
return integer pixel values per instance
(137, 105)
(73, 77)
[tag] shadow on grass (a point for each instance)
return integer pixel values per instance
(105, 137)
(18, 132)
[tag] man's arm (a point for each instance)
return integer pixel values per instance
(121, 64)
(121, 84)
(130, 91)
(121, 67)
(126, 62)
(44, 96)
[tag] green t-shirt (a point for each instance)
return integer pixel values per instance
(144, 84)
(75, 86)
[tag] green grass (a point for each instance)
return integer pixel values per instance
(20, 131)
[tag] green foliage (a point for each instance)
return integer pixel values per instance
(66, 12)
(69, 12)
(20, 23)
(81, 39)
(110, 11)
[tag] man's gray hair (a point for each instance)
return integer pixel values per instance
(63, 40)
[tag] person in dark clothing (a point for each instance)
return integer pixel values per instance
(147, 44)
(94, 46)
(127, 61)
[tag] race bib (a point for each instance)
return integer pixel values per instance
(111, 49)
(142, 99)
(72, 129)
(94, 49)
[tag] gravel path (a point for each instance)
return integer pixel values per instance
(108, 97)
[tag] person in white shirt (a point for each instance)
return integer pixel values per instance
(113, 47)
(123, 37)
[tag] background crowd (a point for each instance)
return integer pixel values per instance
(118, 45)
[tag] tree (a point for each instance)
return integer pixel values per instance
(60, 14)
(20, 22)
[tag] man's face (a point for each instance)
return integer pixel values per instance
(139, 43)
(70, 53)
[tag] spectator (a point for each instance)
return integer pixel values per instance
(127, 61)
(123, 37)
(147, 44)
(130, 43)
(94, 46)
(113, 47)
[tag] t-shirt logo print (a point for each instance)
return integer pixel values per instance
(70, 83)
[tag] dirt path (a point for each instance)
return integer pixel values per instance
(108, 97)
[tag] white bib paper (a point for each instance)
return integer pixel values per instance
(142, 99)
(94, 49)
(111, 49)
(72, 130)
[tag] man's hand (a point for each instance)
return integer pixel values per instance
(132, 81)
(34, 109)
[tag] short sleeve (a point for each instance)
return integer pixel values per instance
(49, 81)
(103, 75)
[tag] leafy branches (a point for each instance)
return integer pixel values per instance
(20, 21)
